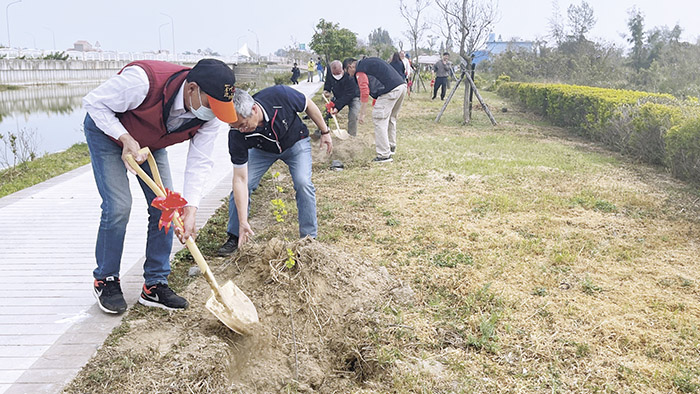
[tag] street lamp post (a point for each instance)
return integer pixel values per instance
(172, 32)
(7, 21)
(160, 39)
(53, 36)
(257, 44)
(33, 39)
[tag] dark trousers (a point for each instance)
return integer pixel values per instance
(440, 82)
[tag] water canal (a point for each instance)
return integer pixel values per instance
(51, 116)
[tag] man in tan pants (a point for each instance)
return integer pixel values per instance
(376, 78)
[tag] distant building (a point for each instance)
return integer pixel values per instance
(82, 46)
(495, 47)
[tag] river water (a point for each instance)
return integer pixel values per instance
(48, 117)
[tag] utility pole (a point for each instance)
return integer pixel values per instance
(53, 36)
(7, 21)
(160, 38)
(172, 33)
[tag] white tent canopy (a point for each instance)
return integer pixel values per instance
(243, 51)
(428, 59)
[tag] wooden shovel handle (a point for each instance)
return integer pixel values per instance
(159, 190)
(337, 126)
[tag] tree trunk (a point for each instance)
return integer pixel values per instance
(481, 101)
(449, 98)
(466, 116)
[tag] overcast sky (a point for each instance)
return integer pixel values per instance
(224, 25)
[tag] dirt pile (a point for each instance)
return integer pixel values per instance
(314, 318)
(315, 323)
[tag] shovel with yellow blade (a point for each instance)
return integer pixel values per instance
(228, 303)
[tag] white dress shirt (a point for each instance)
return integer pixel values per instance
(125, 92)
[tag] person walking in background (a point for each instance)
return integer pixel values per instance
(151, 104)
(441, 70)
(320, 68)
(377, 79)
(397, 63)
(296, 73)
(343, 91)
(406, 59)
(406, 64)
(310, 69)
(270, 129)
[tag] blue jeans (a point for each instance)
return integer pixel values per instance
(298, 159)
(113, 185)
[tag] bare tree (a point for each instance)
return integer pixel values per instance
(416, 24)
(581, 19)
(445, 26)
(556, 24)
(473, 20)
(432, 39)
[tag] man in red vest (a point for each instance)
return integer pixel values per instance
(151, 104)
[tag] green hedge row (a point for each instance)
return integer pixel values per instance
(656, 128)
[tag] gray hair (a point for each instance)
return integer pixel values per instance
(243, 103)
(336, 65)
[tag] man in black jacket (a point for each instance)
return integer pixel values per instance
(345, 93)
(377, 79)
(269, 129)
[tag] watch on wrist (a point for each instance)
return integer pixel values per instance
(326, 132)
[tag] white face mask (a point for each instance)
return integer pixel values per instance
(338, 77)
(202, 113)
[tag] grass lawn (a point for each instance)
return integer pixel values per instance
(38, 170)
(540, 262)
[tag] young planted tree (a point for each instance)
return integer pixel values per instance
(417, 24)
(473, 20)
(445, 26)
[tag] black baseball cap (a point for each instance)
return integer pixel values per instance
(217, 80)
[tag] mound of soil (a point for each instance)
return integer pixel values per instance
(314, 318)
(316, 321)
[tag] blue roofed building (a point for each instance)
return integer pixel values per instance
(494, 47)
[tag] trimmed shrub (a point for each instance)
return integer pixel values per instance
(635, 123)
(683, 147)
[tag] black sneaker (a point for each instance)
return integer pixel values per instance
(229, 246)
(392, 151)
(162, 296)
(382, 159)
(109, 295)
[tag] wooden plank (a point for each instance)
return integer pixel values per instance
(57, 274)
(15, 363)
(54, 311)
(23, 351)
(9, 376)
(50, 302)
(35, 388)
(17, 340)
(69, 291)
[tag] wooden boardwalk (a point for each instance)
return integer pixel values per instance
(50, 325)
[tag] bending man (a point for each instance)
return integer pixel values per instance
(268, 129)
(151, 104)
(345, 93)
(377, 79)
